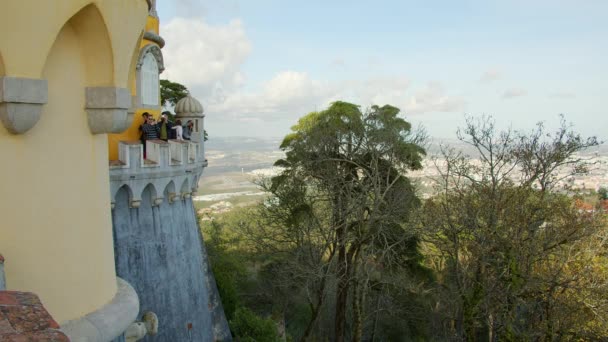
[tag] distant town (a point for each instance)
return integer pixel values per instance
(236, 163)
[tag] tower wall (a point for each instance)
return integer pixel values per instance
(56, 225)
(158, 245)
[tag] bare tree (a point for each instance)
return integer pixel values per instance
(503, 237)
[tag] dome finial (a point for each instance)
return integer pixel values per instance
(188, 107)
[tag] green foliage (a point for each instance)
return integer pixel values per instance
(338, 208)
(602, 193)
(249, 327)
(227, 266)
(171, 92)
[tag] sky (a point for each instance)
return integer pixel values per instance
(258, 66)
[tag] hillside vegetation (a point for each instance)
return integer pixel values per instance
(342, 248)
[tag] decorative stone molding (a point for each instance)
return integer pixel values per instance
(108, 109)
(21, 101)
(109, 322)
(158, 201)
(135, 203)
(139, 330)
(153, 37)
(173, 197)
(152, 8)
(155, 50)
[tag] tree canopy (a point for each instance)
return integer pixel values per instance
(171, 92)
(344, 178)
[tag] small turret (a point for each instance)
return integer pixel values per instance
(189, 108)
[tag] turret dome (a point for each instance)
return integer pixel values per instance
(188, 107)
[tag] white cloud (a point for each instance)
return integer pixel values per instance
(208, 59)
(514, 92)
(203, 56)
(433, 98)
(290, 94)
(490, 75)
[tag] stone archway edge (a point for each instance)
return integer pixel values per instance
(109, 322)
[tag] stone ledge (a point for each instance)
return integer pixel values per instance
(109, 322)
(153, 37)
(108, 109)
(21, 101)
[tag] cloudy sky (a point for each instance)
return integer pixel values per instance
(257, 66)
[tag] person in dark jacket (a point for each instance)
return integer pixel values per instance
(165, 128)
(149, 131)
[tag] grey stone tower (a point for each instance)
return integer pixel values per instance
(158, 246)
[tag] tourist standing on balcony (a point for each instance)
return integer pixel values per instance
(164, 126)
(149, 131)
(179, 130)
(187, 133)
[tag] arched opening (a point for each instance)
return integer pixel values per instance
(80, 57)
(185, 186)
(148, 195)
(149, 66)
(150, 81)
(95, 46)
(123, 196)
(169, 192)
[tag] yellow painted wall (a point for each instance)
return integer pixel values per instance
(56, 230)
(133, 133)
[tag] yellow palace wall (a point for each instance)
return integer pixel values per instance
(132, 133)
(56, 230)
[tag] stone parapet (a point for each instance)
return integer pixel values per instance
(110, 321)
(172, 168)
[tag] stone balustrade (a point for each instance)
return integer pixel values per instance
(172, 168)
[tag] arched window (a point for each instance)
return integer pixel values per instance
(150, 86)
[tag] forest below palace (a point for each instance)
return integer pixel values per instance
(343, 247)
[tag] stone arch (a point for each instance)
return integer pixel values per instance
(185, 188)
(132, 80)
(149, 195)
(115, 189)
(170, 192)
(194, 184)
(123, 195)
(156, 52)
(85, 39)
(96, 45)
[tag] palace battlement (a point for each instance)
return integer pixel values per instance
(171, 169)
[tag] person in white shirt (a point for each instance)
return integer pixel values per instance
(179, 130)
